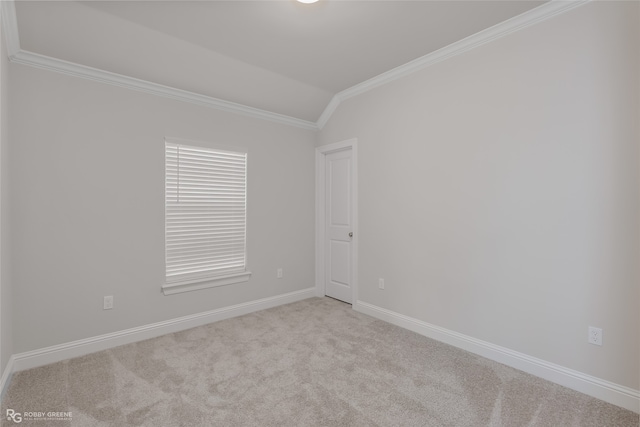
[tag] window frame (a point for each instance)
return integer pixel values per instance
(177, 285)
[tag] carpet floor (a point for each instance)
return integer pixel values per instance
(315, 362)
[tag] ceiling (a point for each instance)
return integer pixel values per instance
(280, 56)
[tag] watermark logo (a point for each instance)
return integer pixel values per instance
(18, 417)
(14, 416)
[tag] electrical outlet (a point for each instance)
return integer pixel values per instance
(381, 283)
(595, 336)
(108, 302)
(279, 273)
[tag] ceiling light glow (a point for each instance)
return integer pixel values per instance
(307, 1)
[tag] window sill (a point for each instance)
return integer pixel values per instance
(204, 283)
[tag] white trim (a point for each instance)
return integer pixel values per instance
(526, 19)
(5, 380)
(519, 22)
(616, 394)
(57, 353)
(321, 153)
(101, 76)
(10, 26)
(319, 265)
(208, 144)
(204, 283)
(329, 110)
(497, 31)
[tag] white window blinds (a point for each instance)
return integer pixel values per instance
(205, 212)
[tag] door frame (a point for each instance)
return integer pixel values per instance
(321, 160)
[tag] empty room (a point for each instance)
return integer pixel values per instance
(320, 213)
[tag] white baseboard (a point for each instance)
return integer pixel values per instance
(57, 353)
(616, 394)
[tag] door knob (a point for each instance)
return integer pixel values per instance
(351, 234)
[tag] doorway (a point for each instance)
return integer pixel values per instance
(336, 221)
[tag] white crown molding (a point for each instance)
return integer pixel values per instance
(57, 353)
(16, 54)
(10, 26)
(541, 13)
(519, 22)
(328, 111)
(90, 73)
(19, 56)
(616, 394)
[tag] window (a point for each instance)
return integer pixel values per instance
(205, 217)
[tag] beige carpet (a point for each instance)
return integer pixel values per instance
(312, 363)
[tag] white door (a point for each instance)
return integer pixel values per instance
(338, 225)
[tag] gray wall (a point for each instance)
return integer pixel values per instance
(499, 191)
(87, 206)
(6, 331)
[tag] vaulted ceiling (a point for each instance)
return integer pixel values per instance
(282, 56)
